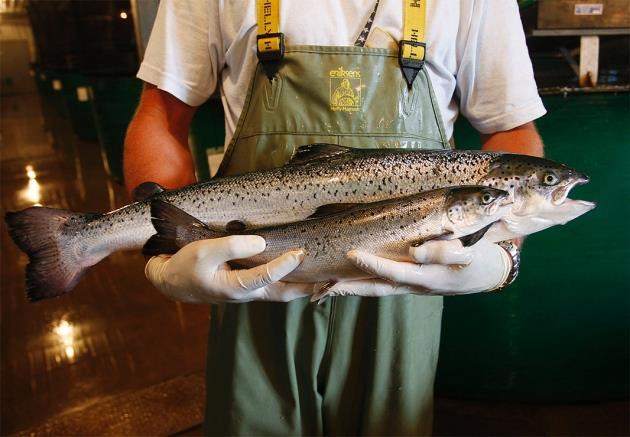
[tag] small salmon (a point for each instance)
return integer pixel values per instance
(386, 228)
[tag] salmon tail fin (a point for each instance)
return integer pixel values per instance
(47, 236)
(175, 228)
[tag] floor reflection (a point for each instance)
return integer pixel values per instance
(113, 333)
(31, 194)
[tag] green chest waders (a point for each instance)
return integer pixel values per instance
(351, 365)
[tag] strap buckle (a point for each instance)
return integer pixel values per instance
(411, 66)
(270, 58)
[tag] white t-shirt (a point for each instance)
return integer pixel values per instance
(476, 54)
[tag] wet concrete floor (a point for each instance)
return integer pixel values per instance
(113, 333)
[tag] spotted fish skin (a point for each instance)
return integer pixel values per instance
(62, 244)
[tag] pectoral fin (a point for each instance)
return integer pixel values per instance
(471, 239)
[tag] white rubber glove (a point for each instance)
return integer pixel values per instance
(445, 268)
(199, 273)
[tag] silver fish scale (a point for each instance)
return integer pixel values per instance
(292, 193)
(386, 230)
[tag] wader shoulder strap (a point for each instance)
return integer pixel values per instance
(270, 41)
(412, 47)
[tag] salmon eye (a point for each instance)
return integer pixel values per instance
(486, 199)
(550, 179)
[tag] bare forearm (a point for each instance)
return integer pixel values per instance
(523, 139)
(165, 162)
(156, 145)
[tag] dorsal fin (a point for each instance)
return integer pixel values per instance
(146, 190)
(314, 152)
(332, 208)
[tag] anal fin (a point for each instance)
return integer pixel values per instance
(321, 294)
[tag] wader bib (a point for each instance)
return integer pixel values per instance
(351, 365)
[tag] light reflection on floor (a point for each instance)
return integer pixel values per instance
(113, 333)
(31, 193)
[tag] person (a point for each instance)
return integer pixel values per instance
(352, 365)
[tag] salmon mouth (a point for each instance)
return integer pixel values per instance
(504, 203)
(560, 194)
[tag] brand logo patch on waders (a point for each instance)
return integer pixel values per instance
(345, 90)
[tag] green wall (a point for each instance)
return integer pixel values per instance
(560, 333)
